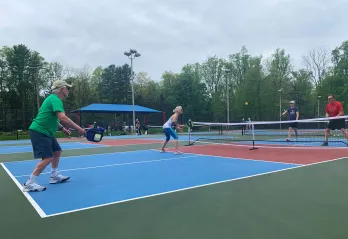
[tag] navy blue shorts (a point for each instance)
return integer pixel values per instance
(337, 124)
(170, 132)
(43, 146)
(293, 125)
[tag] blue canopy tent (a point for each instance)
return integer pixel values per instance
(114, 108)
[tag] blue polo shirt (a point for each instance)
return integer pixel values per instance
(292, 113)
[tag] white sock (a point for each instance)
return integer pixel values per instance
(31, 178)
(54, 172)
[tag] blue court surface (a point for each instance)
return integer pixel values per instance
(104, 179)
(64, 146)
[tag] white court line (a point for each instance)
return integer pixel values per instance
(23, 152)
(82, 148)
(188, 188)
(131, 144)
(26, 194)
(38, 208)
(86, 143)
(84, 155)
(256, 160)
(134, 144)
(274, 146)
(30, 145)
(113, 165)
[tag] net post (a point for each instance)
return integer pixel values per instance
(189, 134)
(253, 131)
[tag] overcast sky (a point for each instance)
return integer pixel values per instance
(169, 33)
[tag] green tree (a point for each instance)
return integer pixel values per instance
(212, 75)
(23, 66)
(115, 85)
(96, 82)
(340, 60)
(4, 77)
(302, 91)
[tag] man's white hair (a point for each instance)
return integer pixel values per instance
(57, 91)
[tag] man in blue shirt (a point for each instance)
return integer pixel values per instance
(293, 114)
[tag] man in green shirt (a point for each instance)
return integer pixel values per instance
(42, 135)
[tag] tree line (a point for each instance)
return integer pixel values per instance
(255, 86)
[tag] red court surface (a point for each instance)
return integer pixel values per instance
(298, 155)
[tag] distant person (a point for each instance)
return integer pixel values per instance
(334, 109)
(169, 127)
(146, 127)
(243, 126)
(137, 126)
(249, 125)
(42, 134)
(293, 114)
(109, 130)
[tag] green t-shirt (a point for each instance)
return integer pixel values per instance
(46, 122)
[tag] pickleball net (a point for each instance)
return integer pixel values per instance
(310, 132)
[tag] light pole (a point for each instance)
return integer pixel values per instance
(280, 107)
(319, 106)
(132, 53)
(227, 71)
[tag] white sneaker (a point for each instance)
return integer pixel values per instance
(177, 152)
(162, 151)
(58, 179)
(33, 187)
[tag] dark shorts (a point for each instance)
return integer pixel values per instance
(293, 125)
(336, 124)
(43, 146)
(170, 132)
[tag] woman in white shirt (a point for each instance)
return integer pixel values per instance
(169, 131)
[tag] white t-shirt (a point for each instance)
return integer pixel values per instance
(169, 123)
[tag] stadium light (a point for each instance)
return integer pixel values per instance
(227, 71)
(280, 106)
(319, 96)
(132, 53)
